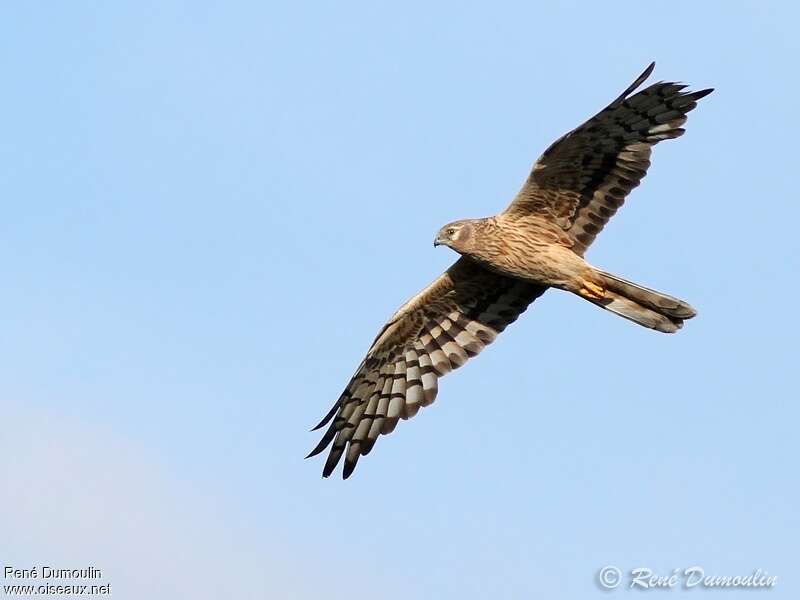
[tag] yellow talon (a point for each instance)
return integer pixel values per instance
(592, 290)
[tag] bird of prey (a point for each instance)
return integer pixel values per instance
(509, 260)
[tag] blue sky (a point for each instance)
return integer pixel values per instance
(209, 211)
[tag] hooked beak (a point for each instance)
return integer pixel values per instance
(440, 240)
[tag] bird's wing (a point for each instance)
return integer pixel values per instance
(448, 322)
(583, 178)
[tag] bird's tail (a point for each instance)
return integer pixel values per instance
(641, 305)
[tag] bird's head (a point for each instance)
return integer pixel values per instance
(456, 235)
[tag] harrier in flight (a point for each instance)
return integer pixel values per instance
(509, 260)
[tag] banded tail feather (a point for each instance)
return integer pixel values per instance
(646, 307)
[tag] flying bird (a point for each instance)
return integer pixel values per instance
(509, 260)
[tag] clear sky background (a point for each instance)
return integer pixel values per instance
(210, 209)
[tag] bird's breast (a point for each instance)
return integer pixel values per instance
(526, 251)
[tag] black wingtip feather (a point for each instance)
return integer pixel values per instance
(323, 443)
(367, 446)
(328, 417)
(701, 93)
(349, 467)
(333, 460)
(639, 80)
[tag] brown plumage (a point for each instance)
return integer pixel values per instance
(509, 260)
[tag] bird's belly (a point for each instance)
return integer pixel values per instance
(551, 265)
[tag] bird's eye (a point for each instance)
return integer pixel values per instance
(451, 231)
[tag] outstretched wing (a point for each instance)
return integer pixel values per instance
(451, 320)
(583, 178)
